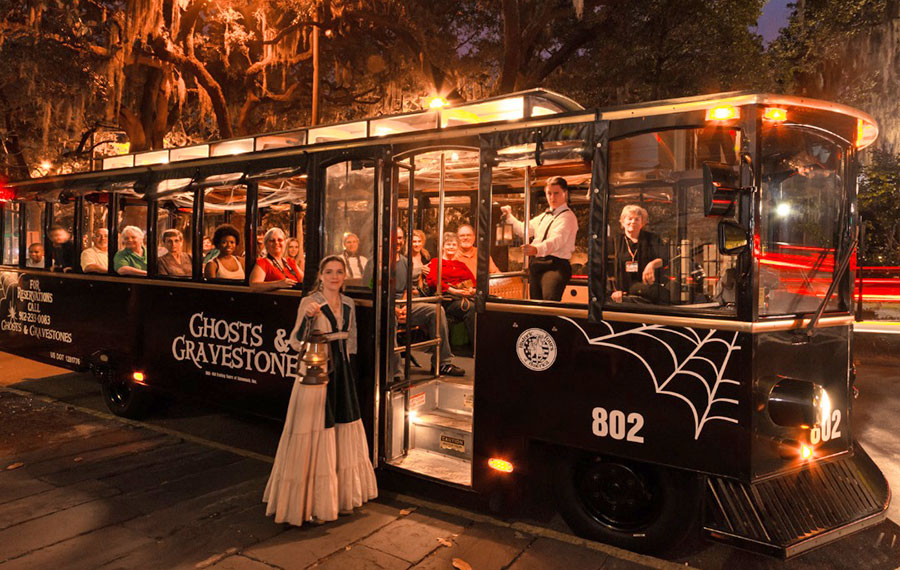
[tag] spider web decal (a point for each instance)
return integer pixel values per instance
(693, 371)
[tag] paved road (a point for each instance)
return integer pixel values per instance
(184, 489)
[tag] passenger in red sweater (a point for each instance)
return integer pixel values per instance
(457, 281)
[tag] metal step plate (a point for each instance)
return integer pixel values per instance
(443, 432)
(788, 515)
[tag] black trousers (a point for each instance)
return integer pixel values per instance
(548, 277)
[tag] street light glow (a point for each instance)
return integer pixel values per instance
(437, 102)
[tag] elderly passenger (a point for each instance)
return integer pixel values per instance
(275, 271)
(639, 257)
(175, 263)
(457, 281)
(95, 259)
(131, 259)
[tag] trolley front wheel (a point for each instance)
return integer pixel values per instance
(125, 398)
(628, 504)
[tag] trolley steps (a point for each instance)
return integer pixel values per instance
(788, 515)
(441, 417)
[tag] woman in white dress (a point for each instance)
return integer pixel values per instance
(322, 465)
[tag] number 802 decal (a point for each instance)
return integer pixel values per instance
(617, 425)
(830, 429)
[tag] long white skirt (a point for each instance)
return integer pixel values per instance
(304, 481)
(355, 475)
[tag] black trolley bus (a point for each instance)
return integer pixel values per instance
(721, 394)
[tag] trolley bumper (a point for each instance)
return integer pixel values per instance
(790, 514)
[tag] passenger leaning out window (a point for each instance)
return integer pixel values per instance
(275, 270)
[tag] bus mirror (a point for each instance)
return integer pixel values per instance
(720, 188)
(732, 238)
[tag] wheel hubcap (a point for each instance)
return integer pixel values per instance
(617, 495)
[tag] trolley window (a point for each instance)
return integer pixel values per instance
(349, 214)
(801, 200)
(661, 248)
(131, 254)
(175, 239)
(62, 248)
(95, 234)
(519, 186)
(223, 231)
(10, 233)
(34, 234)
(282, 202)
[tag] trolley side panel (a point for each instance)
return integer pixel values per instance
(63, 321)
(669, 395)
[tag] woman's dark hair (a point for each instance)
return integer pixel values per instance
(223, 231)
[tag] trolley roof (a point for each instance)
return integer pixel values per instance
(525, 107)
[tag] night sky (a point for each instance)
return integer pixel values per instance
(774, 17)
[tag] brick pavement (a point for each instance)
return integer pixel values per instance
(79, 490)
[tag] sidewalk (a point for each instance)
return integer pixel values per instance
(80, 489)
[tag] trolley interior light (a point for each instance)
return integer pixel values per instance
(500, 465)
(138, 377)
(723, 113)
(775, 114)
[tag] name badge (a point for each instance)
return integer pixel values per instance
(631, 266)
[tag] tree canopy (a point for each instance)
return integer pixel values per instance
(171, 72)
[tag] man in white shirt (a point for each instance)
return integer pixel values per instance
(552, 235)
(96, 259)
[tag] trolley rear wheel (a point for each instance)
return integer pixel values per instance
(632, 505)
(125, 398)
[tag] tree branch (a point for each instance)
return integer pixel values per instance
(164, 51)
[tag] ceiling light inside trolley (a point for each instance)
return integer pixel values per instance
(723, 113)
(775, 114)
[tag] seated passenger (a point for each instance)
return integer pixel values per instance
(175, 263)
(423, 315)
(457, 281)
(295, 252)
(420, 258)
(209, 250)
(356, 263)
(35, 257)
(131, 259)
(96, 259)
(640, 255)
(226, 265)
(275, 271)
(62, 256)
(468, 253)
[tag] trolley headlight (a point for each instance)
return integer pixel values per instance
(798, 403)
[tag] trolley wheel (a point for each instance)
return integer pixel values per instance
(631, 505)
(125, 398)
